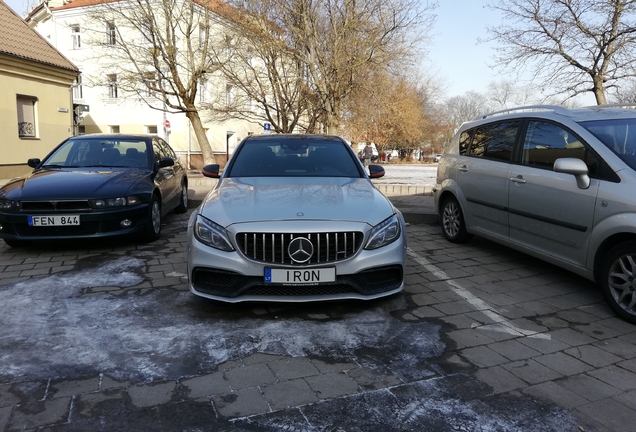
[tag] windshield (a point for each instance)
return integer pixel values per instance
(86, 151)
(294, 158)
(619, 135)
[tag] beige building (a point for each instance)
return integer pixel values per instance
(35, 94)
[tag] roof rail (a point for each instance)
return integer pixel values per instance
(612, 105)
(556, 108)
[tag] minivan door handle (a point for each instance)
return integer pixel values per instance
(463, 168)
(519, 179)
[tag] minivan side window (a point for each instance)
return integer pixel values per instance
(464, 141)
(546, 142)
(495, 141)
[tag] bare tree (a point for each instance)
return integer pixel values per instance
(507, 94)
(469, 106)
(573, 46)
(337, 41)
(158, 50)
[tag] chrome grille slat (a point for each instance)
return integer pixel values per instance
(272, 249)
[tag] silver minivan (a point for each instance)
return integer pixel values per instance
(552, 182)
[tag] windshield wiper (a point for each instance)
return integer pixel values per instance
(57, 166)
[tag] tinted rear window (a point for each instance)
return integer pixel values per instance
(495, 141)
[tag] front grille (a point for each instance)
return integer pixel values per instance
(299, 291)
(272, 248)
(55, 205)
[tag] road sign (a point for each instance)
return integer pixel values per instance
(167, 124)
(267, 126)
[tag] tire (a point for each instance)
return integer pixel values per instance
(15, 243)
(618, 280)
(452, 220)
(153, 225)
(183, 200)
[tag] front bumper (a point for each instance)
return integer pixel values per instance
(93, 224)
(231, 277)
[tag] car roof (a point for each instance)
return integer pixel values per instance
(556, 112)
(113, 135)
(294, 137)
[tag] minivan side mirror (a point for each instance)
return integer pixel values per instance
(576, 167)
(211, 170)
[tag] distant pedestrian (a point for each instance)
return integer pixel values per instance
(368, 154)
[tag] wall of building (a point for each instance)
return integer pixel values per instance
(53, 112)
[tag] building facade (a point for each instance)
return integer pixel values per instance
(35, 95)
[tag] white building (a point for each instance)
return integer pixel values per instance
(71, 28)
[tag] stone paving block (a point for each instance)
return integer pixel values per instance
(461, 321)
(230, 364)
(531, 371)
(86, 404)
(514, 350)
(292, 368)
(588, 387)
(500, 379)
(598, 331)
(206, 385)
(250, 376)
(593, 356)
(563, 364)
(288, 394)
(424, 299)
(630, 365)
(5, 414)
(261, 358)
(469, 338)
(499, 331)
(628, 399)
(151, 394)
(611, 414)
(334, 385)
(74, 387)
(615, 376)
(545, 346)
(427, 312)
(617, 346)
(241, 403)
(483, 356)
(6, 397)
(572, 337)
(454, 308)
(41, 413)
(332, 367)
(556, 394)
(373, 380)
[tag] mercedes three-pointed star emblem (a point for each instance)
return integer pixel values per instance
(300, 250)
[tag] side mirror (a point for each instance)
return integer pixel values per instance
(211, 171)
(34, 162)
(165, 162)
(376, 171)
(576, 167)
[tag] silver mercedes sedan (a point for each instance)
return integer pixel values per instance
(295, 218)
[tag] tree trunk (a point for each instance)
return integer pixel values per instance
(599, 91)
(202, 139)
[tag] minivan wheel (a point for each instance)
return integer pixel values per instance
(618, 279)
(453, 225)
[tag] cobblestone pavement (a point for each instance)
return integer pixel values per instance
(108, 338)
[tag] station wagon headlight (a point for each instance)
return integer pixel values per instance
(212, 234)
(384, 233)
(114, 202)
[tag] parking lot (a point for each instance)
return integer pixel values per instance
(107, 337)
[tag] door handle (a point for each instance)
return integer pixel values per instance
(519, 180)
(463, 168)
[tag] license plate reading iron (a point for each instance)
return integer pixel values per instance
(300, 276)
(54, 220)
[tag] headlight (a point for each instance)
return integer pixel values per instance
(114, 202)
(384, 233)
(8, 204)
(211, 234)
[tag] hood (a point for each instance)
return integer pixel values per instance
(72, 184)
(239, 200)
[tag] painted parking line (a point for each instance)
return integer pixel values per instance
(502, 324)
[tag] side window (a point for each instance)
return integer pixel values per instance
(167, 150)
(158, 150)
(495, 141)
(464, 141)
(547, 142)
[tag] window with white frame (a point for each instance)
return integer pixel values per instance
(150, 83)
(229, 95)
(151, 130)
(112, 85)
(203, 34)
(26, 116)
(113, 128)
(76, 38)
(111, 33)
(78, 92)
(203, 90)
